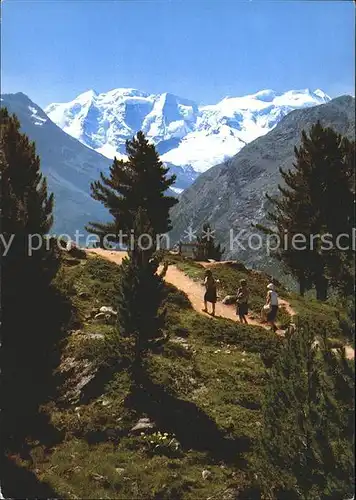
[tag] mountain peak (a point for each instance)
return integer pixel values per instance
(265, 95)
(124, 92)
(188, 134)
(86, 96)
(320, 93)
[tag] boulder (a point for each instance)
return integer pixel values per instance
(143, 424)
(107, 318)
(229, 299)
(206, 474)
(100, 316)
(108, 310)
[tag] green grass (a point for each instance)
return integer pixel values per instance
(96, 278)
(209, 379)
(330, 315)
(229, 276)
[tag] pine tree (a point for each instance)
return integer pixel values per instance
(206, 246)
(141, 181)
(141, 292)
(317, 198)
(307, 412)
(29, 342)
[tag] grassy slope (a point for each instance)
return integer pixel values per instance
(229, 276)
(207, 394)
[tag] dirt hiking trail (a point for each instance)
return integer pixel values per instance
(195, 291)
(284, 304)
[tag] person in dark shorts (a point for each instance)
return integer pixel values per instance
(210, 292)
(272, 301)
(242, 301)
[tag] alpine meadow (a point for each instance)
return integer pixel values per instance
(177, 253)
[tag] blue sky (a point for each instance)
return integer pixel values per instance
(199, 49)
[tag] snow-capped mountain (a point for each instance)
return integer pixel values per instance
(189, 137)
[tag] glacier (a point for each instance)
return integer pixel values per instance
(189, 137)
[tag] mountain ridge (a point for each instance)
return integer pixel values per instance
(231, 195)
(68, 165)
(187, 135)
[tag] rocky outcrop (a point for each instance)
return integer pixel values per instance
(144, 424)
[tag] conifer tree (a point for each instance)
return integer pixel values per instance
(140, 296)
(29, 342)
(307, 437)
(206, 246)
(317, 199)
(141, 181)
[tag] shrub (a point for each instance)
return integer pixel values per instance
(307, 413)
(102, 270)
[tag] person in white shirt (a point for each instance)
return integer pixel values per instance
(272, 301)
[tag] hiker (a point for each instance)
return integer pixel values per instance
(210, 293)
(271, 306)
(242, 301)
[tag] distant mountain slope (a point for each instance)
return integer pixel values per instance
(189, 137)
(68, 165)
(232, 195)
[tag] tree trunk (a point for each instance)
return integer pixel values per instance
(321, 286)
(302, 287)
(137, 367)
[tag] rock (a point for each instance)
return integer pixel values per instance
(100, 478)
(229, 299)
(206, 474)
(143, 424)
(100, 316)
(119, 470)
(108, 310)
